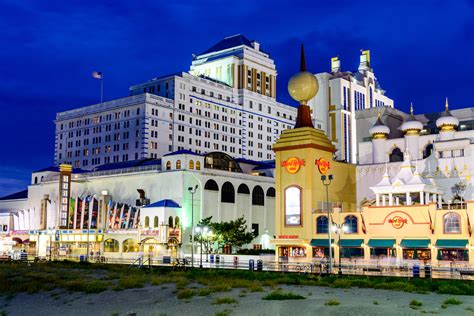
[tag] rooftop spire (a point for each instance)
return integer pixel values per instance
(411, 108)
(303, 60)
(447, 105)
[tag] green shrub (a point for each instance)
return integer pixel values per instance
(332, 302)
(224, 300)
(452, 301)
(449, 289)
(204, 291)
(279, 295)
(255, 288)
(415, 304)
(225, 312)
(220, 287)
(375, 302)
(185, 294)
(342, 283)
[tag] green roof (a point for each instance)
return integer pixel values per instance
(415, 243)
(451, 243)
(320, 242)
(351, 242)
(381, 243)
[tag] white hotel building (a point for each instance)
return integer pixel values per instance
(227, 102)
(340, 95)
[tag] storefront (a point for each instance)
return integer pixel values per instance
(416, 249)
(382, 248)
(351, 248)
(76, 242)
(452, 250)
(320, 248)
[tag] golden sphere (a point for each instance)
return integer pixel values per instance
(303, 86)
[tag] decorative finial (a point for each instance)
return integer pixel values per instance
(411, 108)
(378, 114)
(447, 105)
(302, 60)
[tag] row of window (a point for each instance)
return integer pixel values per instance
(99, 118)
(228, 192)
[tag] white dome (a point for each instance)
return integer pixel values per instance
(379, 129)
(411, 125)
(447, 121)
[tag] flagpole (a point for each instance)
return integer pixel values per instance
(102, 88)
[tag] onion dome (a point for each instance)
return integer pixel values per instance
(447, 122)
(379, 130)
(411, 126)
(303, 86)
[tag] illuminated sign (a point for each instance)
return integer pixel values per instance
(151, 232)
(323, 165)
(293, 164)
(288, 236)
(398, 222)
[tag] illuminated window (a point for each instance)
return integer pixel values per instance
(293, 206)
(147, 222)
(111, 245)
(322, 225)
(198, 165)
(168, 165)
(130, 245)
(155, 221)
(191, 164)
(350, 223)
(452, 223)
(178, 164)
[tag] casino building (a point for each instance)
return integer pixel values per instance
(416, 208)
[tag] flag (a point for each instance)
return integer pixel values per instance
(364, 229)
(468, 224)
(431, 223)
(97, 75)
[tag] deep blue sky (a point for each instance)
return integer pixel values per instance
(421, 51)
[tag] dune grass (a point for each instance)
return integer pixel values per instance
(279, 295)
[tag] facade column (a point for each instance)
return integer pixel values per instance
(439, 201)
(390, 199)
(383, 199)
(377, 199)
(397, 200)
(422, 198)
(408, 198)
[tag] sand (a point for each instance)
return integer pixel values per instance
(161, 300)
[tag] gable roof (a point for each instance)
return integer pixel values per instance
(164, 203)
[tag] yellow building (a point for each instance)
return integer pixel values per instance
(395, 231)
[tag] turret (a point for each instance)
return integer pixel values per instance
(412, 128)
(379, 133)
(447, 124)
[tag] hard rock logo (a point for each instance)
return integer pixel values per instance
(323, 165)
(398, 222)
(293, 164)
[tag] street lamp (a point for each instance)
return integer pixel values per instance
(50, 232)
(338, 228)
(327, 182)
(192, 191)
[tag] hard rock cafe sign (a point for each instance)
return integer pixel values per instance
(293, 164)
(323, 165)
(398, 222)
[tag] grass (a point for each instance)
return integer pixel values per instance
(204, 292)
(186, 294)
(415, 304)
(224, 300)
(279, 295)
(470, 308)
(225, 312)
(452, 301)
(332, 302)
(375, 302)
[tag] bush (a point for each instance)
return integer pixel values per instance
(332, 302)
(279, 295)
(224, 300)
(185, 294)
(415, 304)
(452, 301)
(449, 289)
(204, 292)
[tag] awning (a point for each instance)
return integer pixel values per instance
(320, 242)
(381, 243)
(351, 242)
(451, 243)
(415, 243)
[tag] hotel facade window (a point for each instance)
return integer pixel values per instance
(322, 225)
(293, 206)
(452, 223)
(350, 223)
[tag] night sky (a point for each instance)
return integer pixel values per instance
(422, 51)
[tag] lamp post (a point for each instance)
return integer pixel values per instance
(338, 228)
(192, 191)
(327, 182)
(203, 231)
(50, 232)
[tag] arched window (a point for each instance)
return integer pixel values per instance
(350, 224)
(111, 245)
(155, 221)
(176, 221)
(271, 192)
(428, 151)
(258, 197)
(452, 223)
(322, 225)
(396, 155)
(211, 185)
(36, 180)
(170, 221)
(293, 206)
(147, 222)
(168, 165)
(130, 245)
(198, 165)
(243, 189)
(42, 178)
(178, 164)
(191, 164)
(228, 193)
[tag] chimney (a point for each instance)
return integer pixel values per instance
(256, 45)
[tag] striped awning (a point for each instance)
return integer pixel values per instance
(351, 242)
(415, 243)
(381, 243)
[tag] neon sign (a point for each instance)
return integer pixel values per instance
(293, 164)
